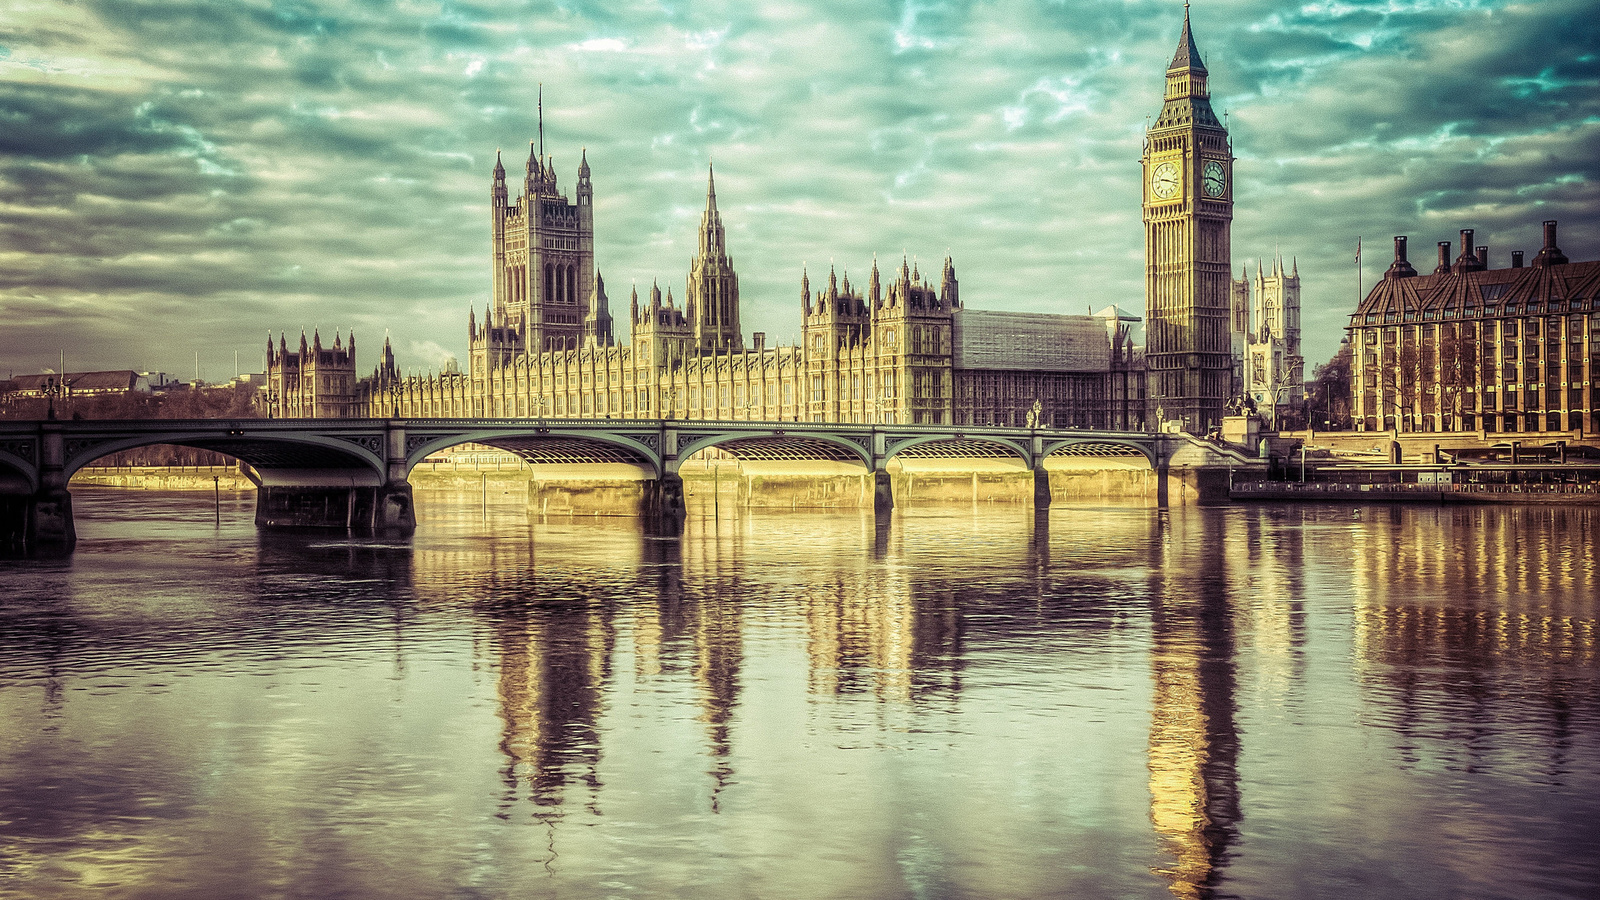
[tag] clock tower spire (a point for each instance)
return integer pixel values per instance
(1188, 216)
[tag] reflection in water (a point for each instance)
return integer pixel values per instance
(718, 653)
(933, 704)
(554, 659)
(1194, 743)
(1512, 639)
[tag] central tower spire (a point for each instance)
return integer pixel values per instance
(711, 234)
(712, 295)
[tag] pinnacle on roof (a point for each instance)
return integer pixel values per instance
(499, 167)
(1188, 55)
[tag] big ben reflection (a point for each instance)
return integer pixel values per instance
(1194, 740)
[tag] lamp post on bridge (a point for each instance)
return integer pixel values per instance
(51, 389)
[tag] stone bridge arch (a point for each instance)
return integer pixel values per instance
(355, 460)
(19, 474)
(546, 445)
(777, 443)
(960, 446)
(773, 466)
(1099, 448)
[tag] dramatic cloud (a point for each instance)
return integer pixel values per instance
(180, 177)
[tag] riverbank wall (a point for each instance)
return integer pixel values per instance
(164, 478)
(712, 486)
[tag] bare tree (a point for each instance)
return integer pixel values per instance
(1331, 389)
(1400, 374)
(1458, 370)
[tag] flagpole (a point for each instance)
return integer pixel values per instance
(1360, 285)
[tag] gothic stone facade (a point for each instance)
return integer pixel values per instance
(1468, 347)
(313, 382)
(1269, 368)
(545, 347)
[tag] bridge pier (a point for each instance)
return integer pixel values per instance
(379, 509)
(348, 499)
(882, 491)
(1041, 486)
(40, 520)
(663, 498)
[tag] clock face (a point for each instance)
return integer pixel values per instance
(1164, 180)
(1215, 179)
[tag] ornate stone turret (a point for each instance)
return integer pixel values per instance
(711, 295)
(543, 256)
(597, 324)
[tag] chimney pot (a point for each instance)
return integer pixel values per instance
(1400, 268)
(1516, 259)
(1483, 256)
(1550, 254)
(1444, 258)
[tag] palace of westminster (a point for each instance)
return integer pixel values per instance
(905, 347)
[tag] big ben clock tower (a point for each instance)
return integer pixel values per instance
(1188, 212)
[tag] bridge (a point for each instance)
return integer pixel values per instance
(353, 473)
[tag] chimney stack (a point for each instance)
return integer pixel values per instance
(1550, 254)
(1444, 258)
(1467, 261)
(1400, 268)
(1516, 259)
(1483, 257)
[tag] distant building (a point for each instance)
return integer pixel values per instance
(1469, 347)
(1265, 323)
(312, 382)
(81, 384)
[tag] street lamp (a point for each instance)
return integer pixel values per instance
(51, 390)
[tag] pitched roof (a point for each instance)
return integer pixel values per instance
(118, 380)
(1483, 294)
(1188, 55)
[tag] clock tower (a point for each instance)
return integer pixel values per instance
(1188, 214)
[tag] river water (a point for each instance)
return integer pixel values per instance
(1262, 701)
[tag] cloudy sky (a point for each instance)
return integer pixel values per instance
(181, 177)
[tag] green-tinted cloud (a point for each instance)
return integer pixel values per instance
(180, 177)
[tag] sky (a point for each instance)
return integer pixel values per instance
(178, 179)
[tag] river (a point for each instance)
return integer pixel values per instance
(1255, 701)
